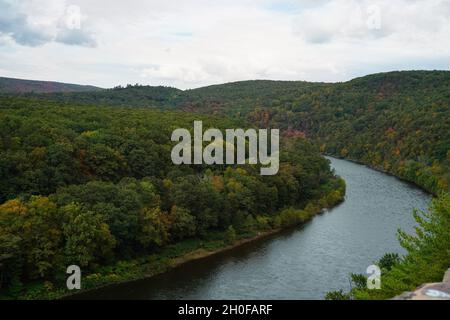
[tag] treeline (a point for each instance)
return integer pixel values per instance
(128, 96)
(93, 186)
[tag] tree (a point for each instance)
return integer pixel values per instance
(230, 235)
(10, 258)
(154, 227)
(182, 224)
(337, 295)
(87, 236)
(42, 236)
(389, 260)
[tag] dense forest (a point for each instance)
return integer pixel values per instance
(95, 186)
(86, 177)
(397, 122)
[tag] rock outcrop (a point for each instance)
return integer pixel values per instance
(429, 291)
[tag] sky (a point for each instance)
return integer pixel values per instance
(193, 43)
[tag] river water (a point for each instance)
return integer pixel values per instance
(304, 263)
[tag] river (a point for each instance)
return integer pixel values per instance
(304, 263)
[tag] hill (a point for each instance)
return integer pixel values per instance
(12, 85)
(396, 122)
(129, 96)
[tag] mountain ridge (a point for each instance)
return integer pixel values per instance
(16, 85)
(65, 86)
(398, 122)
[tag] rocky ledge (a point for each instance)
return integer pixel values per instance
(429, 291)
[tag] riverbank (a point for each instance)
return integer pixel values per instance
(190, 256)
(202, 253)
(177, 254)
(298, 263)
(382, 170)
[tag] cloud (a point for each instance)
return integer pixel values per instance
(75, 37)
(349, 20)
(200, 42)
(14, 24)
(29, 27)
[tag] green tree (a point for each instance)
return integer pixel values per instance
(87, 236)
(230, 235)
(154, 227)
(182, 223)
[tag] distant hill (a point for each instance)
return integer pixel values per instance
(12, 85)
(202, 99)
(129, 96)
(253, 89)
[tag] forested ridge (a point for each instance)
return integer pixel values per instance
(128, 96)
(14, 86)
(95, 187)
(396, 122)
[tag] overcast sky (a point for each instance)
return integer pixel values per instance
(189, 44)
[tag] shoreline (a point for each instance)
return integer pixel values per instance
(382, 171)
(199, 254)
(202, 253)
(194, 255)
(149, 265)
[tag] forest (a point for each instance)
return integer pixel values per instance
(398, 122)
(87, 176)
(95, 186)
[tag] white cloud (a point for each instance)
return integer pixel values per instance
(35, 23)
(193, 43)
